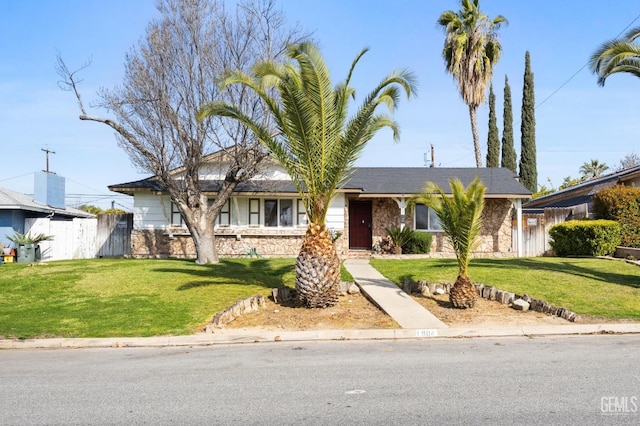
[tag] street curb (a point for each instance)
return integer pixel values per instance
(244, 336)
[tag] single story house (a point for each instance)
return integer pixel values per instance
(265, 215)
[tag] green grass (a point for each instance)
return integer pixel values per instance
(587, 286)
(126, 297)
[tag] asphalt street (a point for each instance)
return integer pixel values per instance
(516, 380)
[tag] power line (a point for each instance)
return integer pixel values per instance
(583, 67)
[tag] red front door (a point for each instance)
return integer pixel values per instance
(360, 224)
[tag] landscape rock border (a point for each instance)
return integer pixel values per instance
(516, 301)
(236, 310)
(279, 295)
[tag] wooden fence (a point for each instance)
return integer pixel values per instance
(104, 236)
(114, 235)
(535, 230)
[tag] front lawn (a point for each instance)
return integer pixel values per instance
(596, 287)
(127, 297)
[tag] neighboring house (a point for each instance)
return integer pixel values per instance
(44, 212)
(266, 214)
(574, 202)
(578, 198)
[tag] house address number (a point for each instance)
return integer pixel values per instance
(427, 333)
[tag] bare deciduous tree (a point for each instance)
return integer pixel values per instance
(171, 72)
(628, 161)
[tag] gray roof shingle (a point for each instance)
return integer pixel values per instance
(11, 200)
(376, 180)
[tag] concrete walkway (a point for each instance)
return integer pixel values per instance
(390, 298)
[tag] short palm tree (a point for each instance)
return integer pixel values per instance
(317, 143)
(593, 169)
(617, 55)
(471, 50)
(461, 218)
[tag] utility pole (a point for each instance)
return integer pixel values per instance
(433, 156)
(47, 152)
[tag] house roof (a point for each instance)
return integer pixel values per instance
(583, 192)
(370, 181)
(500, 182)
(11, 200)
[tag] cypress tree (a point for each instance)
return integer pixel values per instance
(509, 159)
(493, 140)
(528, 166)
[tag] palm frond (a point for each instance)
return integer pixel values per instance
(617, 55)
(460, 215)
(317, 143)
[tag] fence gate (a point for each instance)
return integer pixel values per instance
(535, 230)
(114, 234)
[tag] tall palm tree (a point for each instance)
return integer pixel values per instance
(317, 143)
(471, 49)
(593, 169)
(617, 55)
(461, 218)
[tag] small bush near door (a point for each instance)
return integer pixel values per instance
(420, 243)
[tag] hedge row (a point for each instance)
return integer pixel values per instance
(585, 237)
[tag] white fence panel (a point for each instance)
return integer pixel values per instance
(72, 239)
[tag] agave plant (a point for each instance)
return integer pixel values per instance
(20, 238)
(399, 236)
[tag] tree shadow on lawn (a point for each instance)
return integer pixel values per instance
(566, 267)
(563, 266)
(259, 272)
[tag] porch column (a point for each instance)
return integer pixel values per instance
(402, 203)
(518, 205)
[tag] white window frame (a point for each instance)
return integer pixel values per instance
(176, 217)
(278, 212)
(431, 216)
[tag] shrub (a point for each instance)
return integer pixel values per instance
(420, 243)
(622, 204)
(399, 236)
(585, 237)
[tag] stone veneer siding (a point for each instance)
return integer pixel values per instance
(178, 243)
(495, 237)
(496, 232)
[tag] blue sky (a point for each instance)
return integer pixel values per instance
(576, 120)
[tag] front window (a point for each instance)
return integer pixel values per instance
(278, 212)
(270, 212)
(426, 219)
(286, 212)
(176, 217)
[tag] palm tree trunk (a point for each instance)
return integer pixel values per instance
(474, 130)
(463, 294)
(318, 268)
